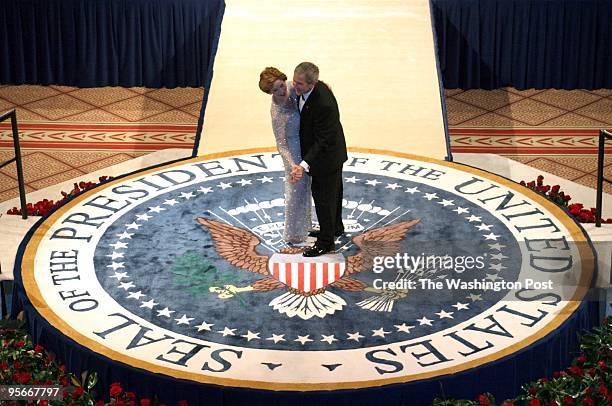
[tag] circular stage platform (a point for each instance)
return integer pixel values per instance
(175, 280)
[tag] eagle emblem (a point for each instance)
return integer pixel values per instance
(306, 279)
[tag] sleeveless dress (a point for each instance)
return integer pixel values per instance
(286, 128)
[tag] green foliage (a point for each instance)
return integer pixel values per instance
(194, 273)
(23, 363)
(586, 382)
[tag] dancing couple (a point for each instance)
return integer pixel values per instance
(310, 140)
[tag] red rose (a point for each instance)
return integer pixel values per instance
(580, 360)
(130, 395)
(78, 392)
(19, 343)
(588, 391)
(602, 364)
(43, 403)
(3, 366)
(145, 402)
(38, 349)
(603, 390)
(508, 403)
(120, 402)
(24, 377)
(568, 400)
(64, 381)
(588, 402)
(535, 402)
(115, 389)
(99, 403)
(18, 365)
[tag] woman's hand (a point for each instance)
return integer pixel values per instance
(296, 173)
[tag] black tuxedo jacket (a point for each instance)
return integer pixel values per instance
(321, 136)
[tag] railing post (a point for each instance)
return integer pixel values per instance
(600, 166)
(18, 164)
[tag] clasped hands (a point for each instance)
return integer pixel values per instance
(296, 173)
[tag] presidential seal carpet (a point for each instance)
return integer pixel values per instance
(176, 281)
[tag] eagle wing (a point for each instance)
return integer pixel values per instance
(236, 246)
(350, 284)
(382, 241)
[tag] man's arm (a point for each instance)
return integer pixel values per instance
(325, 118)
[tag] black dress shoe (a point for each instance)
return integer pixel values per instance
(318, 250)
(315, 233)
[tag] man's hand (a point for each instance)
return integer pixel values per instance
(296, 173)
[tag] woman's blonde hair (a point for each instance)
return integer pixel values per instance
(267, 78)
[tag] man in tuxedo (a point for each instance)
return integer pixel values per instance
(323, 153)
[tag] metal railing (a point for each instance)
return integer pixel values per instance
(603, 136)
(22, 195)
(17, 159)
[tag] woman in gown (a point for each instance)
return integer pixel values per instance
(286, 128)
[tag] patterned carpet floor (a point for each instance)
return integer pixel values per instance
(67, 132)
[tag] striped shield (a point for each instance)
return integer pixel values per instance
(307, 274)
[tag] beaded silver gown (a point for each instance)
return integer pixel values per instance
(286, 127)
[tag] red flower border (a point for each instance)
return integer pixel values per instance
(557, 196)
(43, 207)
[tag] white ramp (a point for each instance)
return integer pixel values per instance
(378, 57)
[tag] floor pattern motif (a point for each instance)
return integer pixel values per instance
(67, 132)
